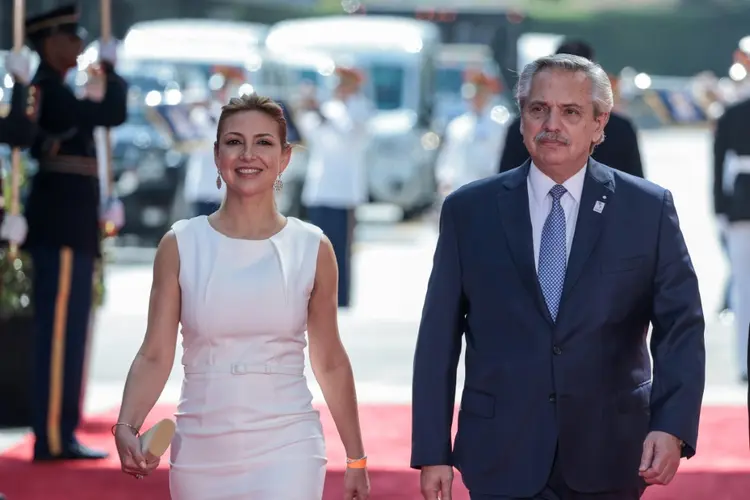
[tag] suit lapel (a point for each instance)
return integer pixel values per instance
(598, 189)
(513, 203)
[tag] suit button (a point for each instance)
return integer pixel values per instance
(552, 398)
(557, 351)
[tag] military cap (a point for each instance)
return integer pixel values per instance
(479, 78)
(350, 75)
(63, 19)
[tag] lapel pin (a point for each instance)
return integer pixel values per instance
(598, 207)
(604, 197)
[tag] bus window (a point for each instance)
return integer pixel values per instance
(387, 85)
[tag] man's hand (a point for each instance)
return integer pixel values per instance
(436, 482)
(661, 458)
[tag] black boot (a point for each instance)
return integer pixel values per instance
(74, 451)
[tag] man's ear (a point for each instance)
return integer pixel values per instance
(601, 121)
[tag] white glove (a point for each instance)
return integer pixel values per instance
(114, 212)
(14, 229)
(18, 65)
(108, 51)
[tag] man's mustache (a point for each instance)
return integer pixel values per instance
(551, 136)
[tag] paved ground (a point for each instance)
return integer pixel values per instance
(392, 264)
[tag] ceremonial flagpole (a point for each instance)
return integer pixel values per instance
(106, 28)
(104, 155)
(19, 8)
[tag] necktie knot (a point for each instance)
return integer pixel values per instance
(557, 192)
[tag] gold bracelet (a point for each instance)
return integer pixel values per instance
(135, 430)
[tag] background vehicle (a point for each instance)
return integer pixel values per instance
(400, 71)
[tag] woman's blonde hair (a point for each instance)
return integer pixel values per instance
(255, 102)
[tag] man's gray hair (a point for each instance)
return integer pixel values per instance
(601, 88)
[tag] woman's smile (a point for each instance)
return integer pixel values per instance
(248, 171)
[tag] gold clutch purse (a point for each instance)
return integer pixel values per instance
(157, 439)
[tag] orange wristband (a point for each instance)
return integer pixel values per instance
(359, 463)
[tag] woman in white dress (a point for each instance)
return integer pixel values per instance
(245, 284)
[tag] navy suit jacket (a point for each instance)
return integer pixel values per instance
(581, 386)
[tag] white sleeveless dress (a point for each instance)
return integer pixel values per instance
(246, 427)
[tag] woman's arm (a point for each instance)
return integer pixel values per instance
(152, 365)
(328, 358)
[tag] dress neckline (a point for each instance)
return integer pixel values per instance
(259, 240)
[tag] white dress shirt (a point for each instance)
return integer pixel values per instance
(201, 171)
(540, 204)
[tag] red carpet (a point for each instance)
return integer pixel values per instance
(721, 471)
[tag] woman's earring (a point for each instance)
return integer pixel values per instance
(278, 184)
(218, 181)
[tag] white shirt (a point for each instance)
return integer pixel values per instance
(540, 204)
(336, 169)
(473, 148)
(201, 171)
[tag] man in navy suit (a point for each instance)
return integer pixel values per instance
(553, 272)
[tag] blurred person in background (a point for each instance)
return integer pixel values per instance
(65, 220)
(202, 191)
(474, 141)
(731, 188)
(337, 137)
(620, 151)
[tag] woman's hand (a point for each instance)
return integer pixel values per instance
(132, 460)
(356, 484)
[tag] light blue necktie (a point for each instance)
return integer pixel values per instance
(553, 253)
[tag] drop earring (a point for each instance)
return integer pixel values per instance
(278, 184)
(218, 180)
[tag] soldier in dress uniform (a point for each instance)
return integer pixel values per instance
(474, 141)
(63, 212)
(732, 208)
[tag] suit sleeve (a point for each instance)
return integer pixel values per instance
(514, 152)
(18, 130)
(110, 112)
(635, 163)
(720, 153)
(437, 352)
(677, 339)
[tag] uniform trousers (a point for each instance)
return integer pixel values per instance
(338, 226)
(63, 289)
(557, 489)
(738, 243)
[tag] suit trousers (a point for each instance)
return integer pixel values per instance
(63, 289)
(338, 226)
(557, 489)
(738, 243)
